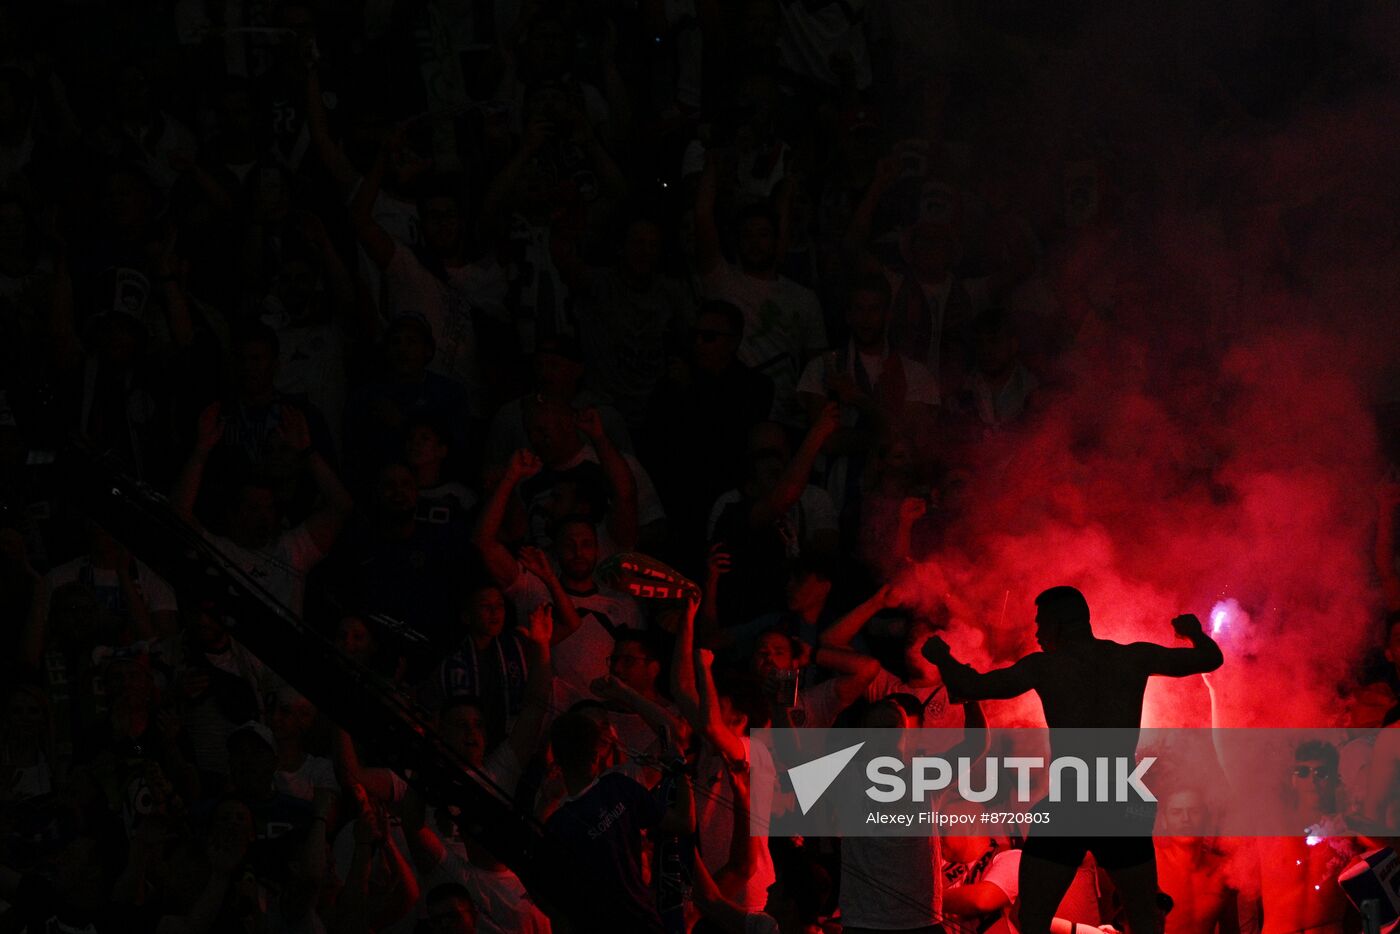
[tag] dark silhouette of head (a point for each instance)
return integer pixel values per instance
(1062, 616)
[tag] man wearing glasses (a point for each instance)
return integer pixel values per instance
(1298, 873)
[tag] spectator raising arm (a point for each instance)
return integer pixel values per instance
(208, 431)
(966, 683)
(854, 672)
(744, 847)
(325, 523)
(501, 564)
(378, 244)
(840, 633)
(318, 124)
(716, 566)
(380, 783)
(730, 746)
(708, 256)
(501, 196)
(713, 906)
(623, 520)
(701, 712)
(528, 729)
(1203, 656)
(362, 907)
(661, 721)
(566, 618)
(788, 490)
(887, 172)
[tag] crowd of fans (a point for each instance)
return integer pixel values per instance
(421, 312)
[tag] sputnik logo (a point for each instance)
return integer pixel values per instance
(810, 780)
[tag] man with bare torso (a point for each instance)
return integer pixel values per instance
(1083, 682)
(1298, 874)
(1213, 881)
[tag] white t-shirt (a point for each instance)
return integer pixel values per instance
(502, 903)
(508, 434)
(812, 33)
(937, 713)
(760, 169)
(399, 219)
(817, 706)
(206, 726)
(649, 508)
(159, 597)
(311, 363)
(583, 654)
(315, 772)
(279, 568)
(500, 767)
(919, 385)
(714, 802)
(1080, 903)
(783, 326)
(448, 306)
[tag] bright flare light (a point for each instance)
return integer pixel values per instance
(1224, 615)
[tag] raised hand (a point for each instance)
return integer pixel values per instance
(210, 428)
(719, 561)
(369, 826)
(524, 464)
(591, 424)
(890, 596)
(536, 562)
(912, 509)
(294, 429)
(539, 628)
(936, 650)
(1188, 626)
(828, 421)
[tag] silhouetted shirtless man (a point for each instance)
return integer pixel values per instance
(1089, 683)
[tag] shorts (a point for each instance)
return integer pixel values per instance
(1109, 852)
(1134, 848)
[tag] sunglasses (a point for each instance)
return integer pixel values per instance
(614, 659)
(1318, 772)
(709, 336)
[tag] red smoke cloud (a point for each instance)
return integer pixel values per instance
(1211, 432)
